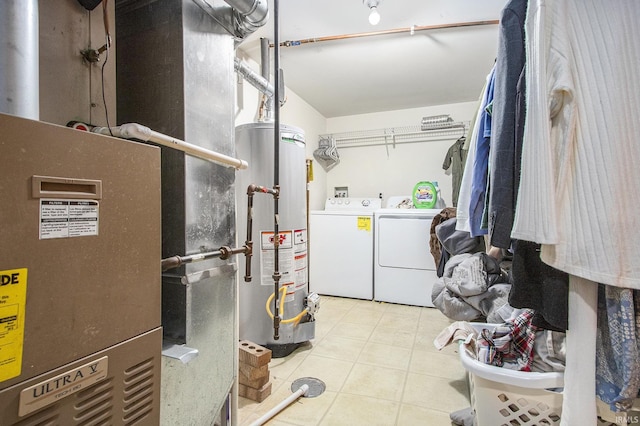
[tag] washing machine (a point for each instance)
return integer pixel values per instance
(404, 269)
(341, 241)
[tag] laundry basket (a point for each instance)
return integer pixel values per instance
(504, 397)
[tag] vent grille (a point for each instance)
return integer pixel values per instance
(95, 405)
(138, 392)
(46, 417)
(127, 395)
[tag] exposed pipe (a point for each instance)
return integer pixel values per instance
(260, 83)
(411, 30)
(281, 405)
(223, 253)
(276, 171)
(19, 64)
(264, 58)
(138, 131)
(252, 189)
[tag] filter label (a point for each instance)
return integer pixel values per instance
(13, 297)
(68, 218)
(65, 384)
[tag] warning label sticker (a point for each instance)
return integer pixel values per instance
(292, 258)
(364, 223)
(68, 218)
(13, 296)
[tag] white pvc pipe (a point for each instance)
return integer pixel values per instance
(281, 406)
(138, 131)
(19, 64)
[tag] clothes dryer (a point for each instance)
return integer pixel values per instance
(404, 269)
(341, 247)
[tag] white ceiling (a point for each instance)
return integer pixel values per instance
(382, 72)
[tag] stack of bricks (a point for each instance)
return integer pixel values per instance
(253, 374)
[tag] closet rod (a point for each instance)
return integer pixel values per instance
(412, 29)
(425, 134)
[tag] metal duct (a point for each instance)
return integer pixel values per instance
(19, 65)
(248, 15)
(254, 13)
(260, 83)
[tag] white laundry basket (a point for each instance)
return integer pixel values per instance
(503, 397)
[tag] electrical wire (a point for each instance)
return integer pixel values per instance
(104, 99)
(105, 18)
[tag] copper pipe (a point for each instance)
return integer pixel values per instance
(411, 30)
(248, 244)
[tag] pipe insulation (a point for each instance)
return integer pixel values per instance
(143, 133)
(19, 64)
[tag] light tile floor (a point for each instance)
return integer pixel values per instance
(379, 366)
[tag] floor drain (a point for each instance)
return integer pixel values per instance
(316, 386)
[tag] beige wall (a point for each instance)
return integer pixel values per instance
(394, 170)
(71, 88)
(366, 171)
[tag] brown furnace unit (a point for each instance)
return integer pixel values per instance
(80, 335)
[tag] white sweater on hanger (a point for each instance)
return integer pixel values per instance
(579, 164)
(580, 177)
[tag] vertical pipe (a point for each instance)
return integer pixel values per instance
(264, 57)
(19, 66)
(276, 169)
(268, 101)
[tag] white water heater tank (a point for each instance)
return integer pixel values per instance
(255, 143)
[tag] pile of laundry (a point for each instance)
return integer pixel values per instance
(515, 344)
(471, 284)
(473, 287)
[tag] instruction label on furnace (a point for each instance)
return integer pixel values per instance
(13, 297)
(68, 218)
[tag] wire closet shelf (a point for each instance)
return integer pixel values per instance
(396, 135)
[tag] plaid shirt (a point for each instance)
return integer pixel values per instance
(510, 344)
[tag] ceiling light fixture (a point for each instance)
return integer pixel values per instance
(374, 16)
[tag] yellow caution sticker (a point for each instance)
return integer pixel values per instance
(13, 298)
(364, 223)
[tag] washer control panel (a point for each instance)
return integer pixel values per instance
(351, 203)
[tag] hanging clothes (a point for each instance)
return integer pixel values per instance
(580, 154)
(481, 163)
(505, 143)
(579, 165)
(618, 347)
(464, 198)
(538, 286)
(455, 159)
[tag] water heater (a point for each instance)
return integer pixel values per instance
(255, 143)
